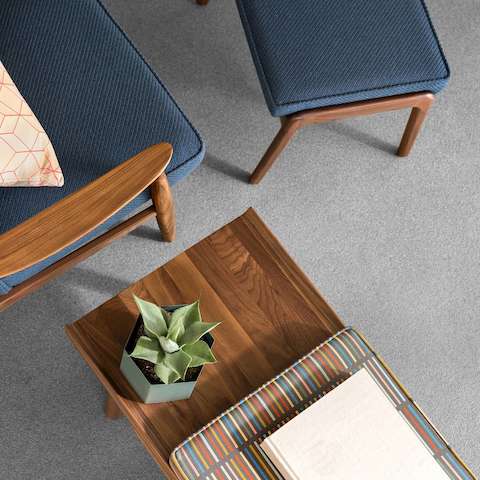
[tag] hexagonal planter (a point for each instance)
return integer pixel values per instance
(155, 392)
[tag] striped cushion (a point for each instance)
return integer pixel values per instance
(315, 54)
(228, 448)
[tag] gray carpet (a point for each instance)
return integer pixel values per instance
(392, 243)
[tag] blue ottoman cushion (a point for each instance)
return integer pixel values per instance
(97, 99)
(311, 54)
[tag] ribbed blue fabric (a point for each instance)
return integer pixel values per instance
(97, 99)
(328, 52)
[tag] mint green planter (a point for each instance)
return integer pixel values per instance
(149, 392)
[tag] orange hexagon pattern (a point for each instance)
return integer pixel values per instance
(27, 158)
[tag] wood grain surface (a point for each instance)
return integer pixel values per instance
(271, 315)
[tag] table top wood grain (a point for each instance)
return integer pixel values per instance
(271, 315)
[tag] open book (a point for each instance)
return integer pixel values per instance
(353, 432)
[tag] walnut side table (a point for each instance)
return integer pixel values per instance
(271, 314)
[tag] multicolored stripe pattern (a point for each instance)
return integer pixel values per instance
(227, 448)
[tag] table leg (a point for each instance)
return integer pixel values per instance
(111, 409)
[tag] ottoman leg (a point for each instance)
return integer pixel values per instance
(286, 132)
(418, 115)
(111, 409)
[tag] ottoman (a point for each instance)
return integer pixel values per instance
(332, 59)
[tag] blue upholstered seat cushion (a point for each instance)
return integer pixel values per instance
(95, 96)
(311, 54)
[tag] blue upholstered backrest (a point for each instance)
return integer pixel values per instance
(99, 102)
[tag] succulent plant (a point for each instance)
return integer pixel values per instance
(173, 340)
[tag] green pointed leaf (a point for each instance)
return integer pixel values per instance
(182, 318)
(196, 331)
(153, 319)
(148, 349)
(200, 353)
(166, 374)
(178, 362)
(168, 346)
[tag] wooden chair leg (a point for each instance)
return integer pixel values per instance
(111, 409)
(163, 202)
(285, 134)
(414, 124)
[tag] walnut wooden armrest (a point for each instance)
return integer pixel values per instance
(76, 215)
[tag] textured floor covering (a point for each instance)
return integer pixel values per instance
(392, 243)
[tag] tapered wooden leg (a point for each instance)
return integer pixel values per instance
(286, 132)
(111, 409)
(163, 202)
(413, 127)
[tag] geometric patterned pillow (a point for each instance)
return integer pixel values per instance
(27, 158)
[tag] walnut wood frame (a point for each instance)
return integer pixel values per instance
(419, 102)
(78, 214)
